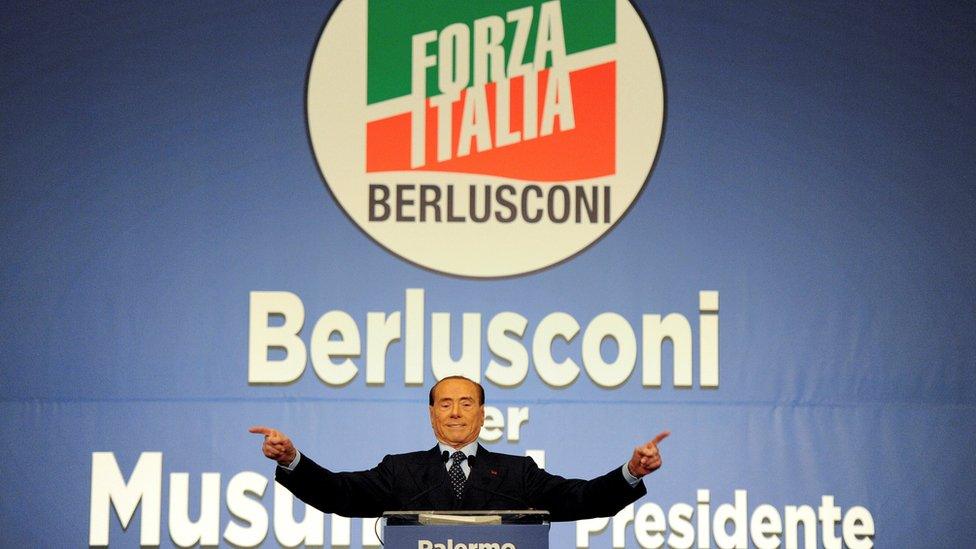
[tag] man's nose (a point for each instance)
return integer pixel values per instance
(456, 410)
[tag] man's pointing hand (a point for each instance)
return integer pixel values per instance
(647, 458)
(276, 445)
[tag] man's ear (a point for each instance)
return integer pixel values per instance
(482, 423)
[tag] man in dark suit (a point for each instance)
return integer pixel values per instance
(458, 473)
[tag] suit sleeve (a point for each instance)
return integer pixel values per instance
(350, 494)
(576, 499)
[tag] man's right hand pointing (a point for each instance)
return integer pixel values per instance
(276, 445)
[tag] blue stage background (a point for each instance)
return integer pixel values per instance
(817, 170)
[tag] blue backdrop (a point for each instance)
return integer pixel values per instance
(817, 172)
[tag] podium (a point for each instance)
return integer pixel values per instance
(466, 529)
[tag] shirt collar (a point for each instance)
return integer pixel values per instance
(470, 450)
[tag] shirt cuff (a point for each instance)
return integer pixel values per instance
(294, 463)
(631, 479)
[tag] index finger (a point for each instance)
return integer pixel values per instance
(259, 430)
(661, 436)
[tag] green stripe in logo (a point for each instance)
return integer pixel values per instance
(392, 23)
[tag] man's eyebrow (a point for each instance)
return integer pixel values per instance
(452, 399)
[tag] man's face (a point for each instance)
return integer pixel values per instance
(456, 415)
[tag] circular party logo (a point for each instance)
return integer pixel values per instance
(485, 138)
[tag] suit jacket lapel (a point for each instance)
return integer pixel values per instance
(435, 479)
(485, 478)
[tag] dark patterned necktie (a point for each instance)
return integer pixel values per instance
(456, 473)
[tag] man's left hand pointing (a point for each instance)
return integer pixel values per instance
(647, 457)
(277, 445)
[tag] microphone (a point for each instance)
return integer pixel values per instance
(522, 503)
(472, 460)
(423, 493)
(445, 456)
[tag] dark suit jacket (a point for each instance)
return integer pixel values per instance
(418, 481)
